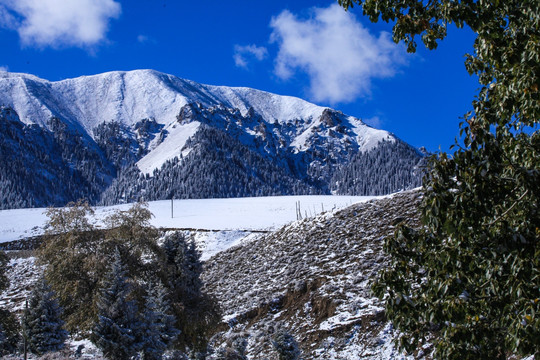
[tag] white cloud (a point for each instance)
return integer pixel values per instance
(242, 53)
(57, 23)
(7, 20)
(340, 55)
(4, 68)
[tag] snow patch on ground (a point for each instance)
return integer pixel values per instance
(211, 243)
(21, 272)
(253, 214)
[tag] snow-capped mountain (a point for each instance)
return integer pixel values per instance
(120, 136)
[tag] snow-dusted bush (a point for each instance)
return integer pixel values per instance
(286, 346)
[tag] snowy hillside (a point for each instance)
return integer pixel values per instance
(313, 278)
(122, 136)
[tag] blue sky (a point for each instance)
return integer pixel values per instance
(309, 49)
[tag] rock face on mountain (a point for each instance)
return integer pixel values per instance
(312, 279)
(125, 136)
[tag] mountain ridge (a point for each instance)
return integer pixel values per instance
(101, 125)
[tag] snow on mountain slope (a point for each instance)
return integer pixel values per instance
(270, 106)
(170, 148)
(366, 136)
(131, 96)
(311, 277)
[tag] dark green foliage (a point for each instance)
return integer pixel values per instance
(9, 332)
(227, 353)
(218, 166)
(117, 329)
(3, 340)
(184, 265)
(9, 326)
(232, 164)
(123, 145)
(63, 163)
(238, 345)
(43, 168)
(469, 280)
(286, 346)
(234, 349)
(390, 167)
(42, 323)
(197, 314)
(117, 143)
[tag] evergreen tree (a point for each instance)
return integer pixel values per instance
(117, 327)
(9, 326)
(391, 166)
(42, 324)
(234, 349)
(39, 167)
(10, 329)
(227, 353)
(195, 311)
(159, 331)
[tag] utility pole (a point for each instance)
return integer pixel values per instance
(172, 207)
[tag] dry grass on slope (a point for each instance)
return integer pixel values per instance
(313, 278)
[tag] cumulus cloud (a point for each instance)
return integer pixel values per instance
(243, 53)
(339, 54)
(58, 23)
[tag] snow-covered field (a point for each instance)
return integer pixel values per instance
(224, 215)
